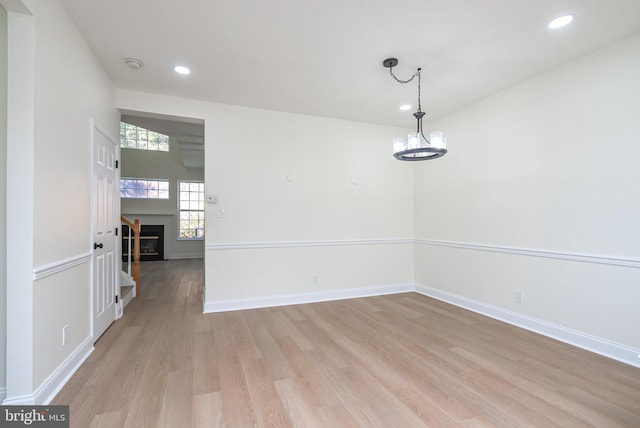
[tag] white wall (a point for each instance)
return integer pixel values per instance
(70, 89)
(19, 194)
(539, 193)
(3, 200)
(292, 210)
(168, 166)
(69, 94)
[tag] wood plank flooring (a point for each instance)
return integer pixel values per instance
(392, 361)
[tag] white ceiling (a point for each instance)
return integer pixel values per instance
(324, 57)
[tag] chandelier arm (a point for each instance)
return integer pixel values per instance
(425, 138)
(420, 130)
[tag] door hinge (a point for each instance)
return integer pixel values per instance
(116, 231)
(116, 298)
(117, 163)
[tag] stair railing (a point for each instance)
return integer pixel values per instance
(135, 228)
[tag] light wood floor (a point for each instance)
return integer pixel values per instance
(392, 361)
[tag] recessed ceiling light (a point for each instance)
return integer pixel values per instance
(180, 69)
(405, 107)
(561, 21)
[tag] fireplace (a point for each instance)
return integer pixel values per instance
(151, 242)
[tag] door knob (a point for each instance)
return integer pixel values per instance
(96, 245)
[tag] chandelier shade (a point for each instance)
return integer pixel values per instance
(416, 147)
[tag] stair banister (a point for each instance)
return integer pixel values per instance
(135, 227)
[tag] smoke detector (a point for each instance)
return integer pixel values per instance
(132, 63)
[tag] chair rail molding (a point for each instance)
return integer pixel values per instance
(296, 244)
(58, 266)
(577, 257)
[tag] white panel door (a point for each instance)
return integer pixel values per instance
(104, 237)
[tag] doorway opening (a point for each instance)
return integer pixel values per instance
(156, 204)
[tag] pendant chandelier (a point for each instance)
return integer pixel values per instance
(416, 146)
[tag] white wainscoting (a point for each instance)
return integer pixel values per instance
(306, 297)
(349, 268)
(59, 377)
(582, 340)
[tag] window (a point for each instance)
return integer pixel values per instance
(191, 209)
(134, 137)
(143, 188)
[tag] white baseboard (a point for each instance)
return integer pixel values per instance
(128, 298)
(296, 299)
(54, 383)
(186, 256)
(3, 394)
(576, 338)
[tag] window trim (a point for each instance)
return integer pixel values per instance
(178, 198)
(158, 180)
(137, 140)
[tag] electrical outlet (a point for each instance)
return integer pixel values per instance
(65, 334)
(315, 280)
(518, 296)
